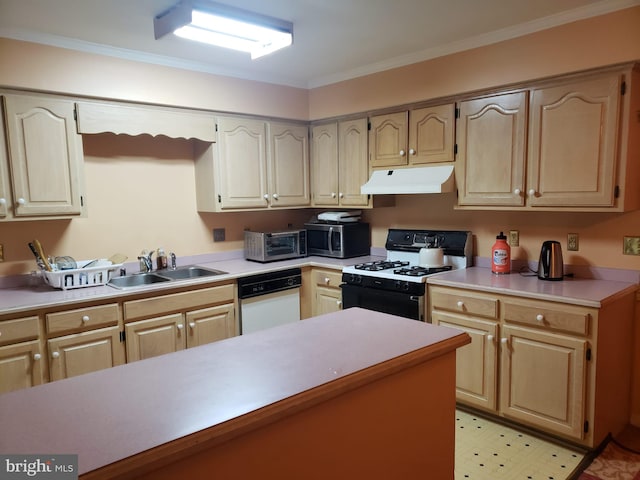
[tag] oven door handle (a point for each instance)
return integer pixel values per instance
(414, 298)
(329, 239)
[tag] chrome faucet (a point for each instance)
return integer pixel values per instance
(173, 260)
(146, 264)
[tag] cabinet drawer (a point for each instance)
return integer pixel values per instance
(567, 318)
(470, 303)
(82, 319)
(18, 330)
(327, 278)
(175, 302)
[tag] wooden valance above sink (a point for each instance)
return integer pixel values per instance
(94, 117)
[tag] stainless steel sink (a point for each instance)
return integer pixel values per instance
(191, 271)
(137, 280)
(168, 275)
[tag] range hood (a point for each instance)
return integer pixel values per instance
(434, 179)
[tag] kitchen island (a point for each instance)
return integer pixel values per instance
(354, 394)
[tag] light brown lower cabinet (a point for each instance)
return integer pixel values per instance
(84, 340)
(20, 365)
(327, 294)
(557, 367)
(168, 323)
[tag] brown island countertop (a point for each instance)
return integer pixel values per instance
(355, 384)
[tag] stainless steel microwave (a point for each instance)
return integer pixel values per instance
(271, 246)
(344, 240)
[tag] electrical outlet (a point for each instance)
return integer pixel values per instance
(514, 238)
(1, 252)
(572, 242)
(219, 234)
(631, 246)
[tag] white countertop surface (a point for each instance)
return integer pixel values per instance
(578, 291)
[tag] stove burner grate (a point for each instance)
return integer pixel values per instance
(416, 271)
(380, 265)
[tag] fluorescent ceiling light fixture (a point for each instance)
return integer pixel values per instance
(225, 26)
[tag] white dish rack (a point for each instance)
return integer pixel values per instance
(80, 277)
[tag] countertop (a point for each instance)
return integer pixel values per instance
(112, 414)
(21, 299)
(577, 291)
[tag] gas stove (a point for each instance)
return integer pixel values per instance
(403, 253)
(396, 285)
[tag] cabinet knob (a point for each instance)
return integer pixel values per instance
(341, 195)
(266, 196)
(327, 280)
(275, 196)
(55, 354)
(179, 326)
(85, 318)
(3, 201)
(412, 151)
(339, 303)
(540, 317)
(402, 153)
(504, 340)
(37, 356)
(490, 338)
(532, 193)
(333, 194)
(192, 325)
(517, 191)
(21, 201)
(460, 304)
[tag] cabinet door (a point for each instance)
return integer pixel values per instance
(45, 156)
(155, 336)
(288, 165)
(85, 352)
(354, 165)
(431, 134)
(491, 136)
(324, 159)
(573, 143)
(388, 140)
(211, 324)
(5, 193)
(476, 362)
(20, 366)
(543, 380)
(327, 300)
(242, 163)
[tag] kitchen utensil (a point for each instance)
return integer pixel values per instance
(43, 257)
(117, 258)
(65, 263)
(550, 265)
(431, 257)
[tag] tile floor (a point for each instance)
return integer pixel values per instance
(486, 450)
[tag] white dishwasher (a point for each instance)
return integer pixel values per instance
(269, 299)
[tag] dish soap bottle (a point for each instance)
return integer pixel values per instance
(501, 255)
(161, 259)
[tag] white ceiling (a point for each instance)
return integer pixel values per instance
(333, 39)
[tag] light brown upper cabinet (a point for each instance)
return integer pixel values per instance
(566, 144)
(339, 163)
(491, 136)
(254, 165)
(45, 159)
(417, 137)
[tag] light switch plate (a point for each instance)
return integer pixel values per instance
(631, 246)
(219, 234)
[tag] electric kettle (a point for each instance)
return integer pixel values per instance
(550, 266)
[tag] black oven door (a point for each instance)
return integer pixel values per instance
(395, 303)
